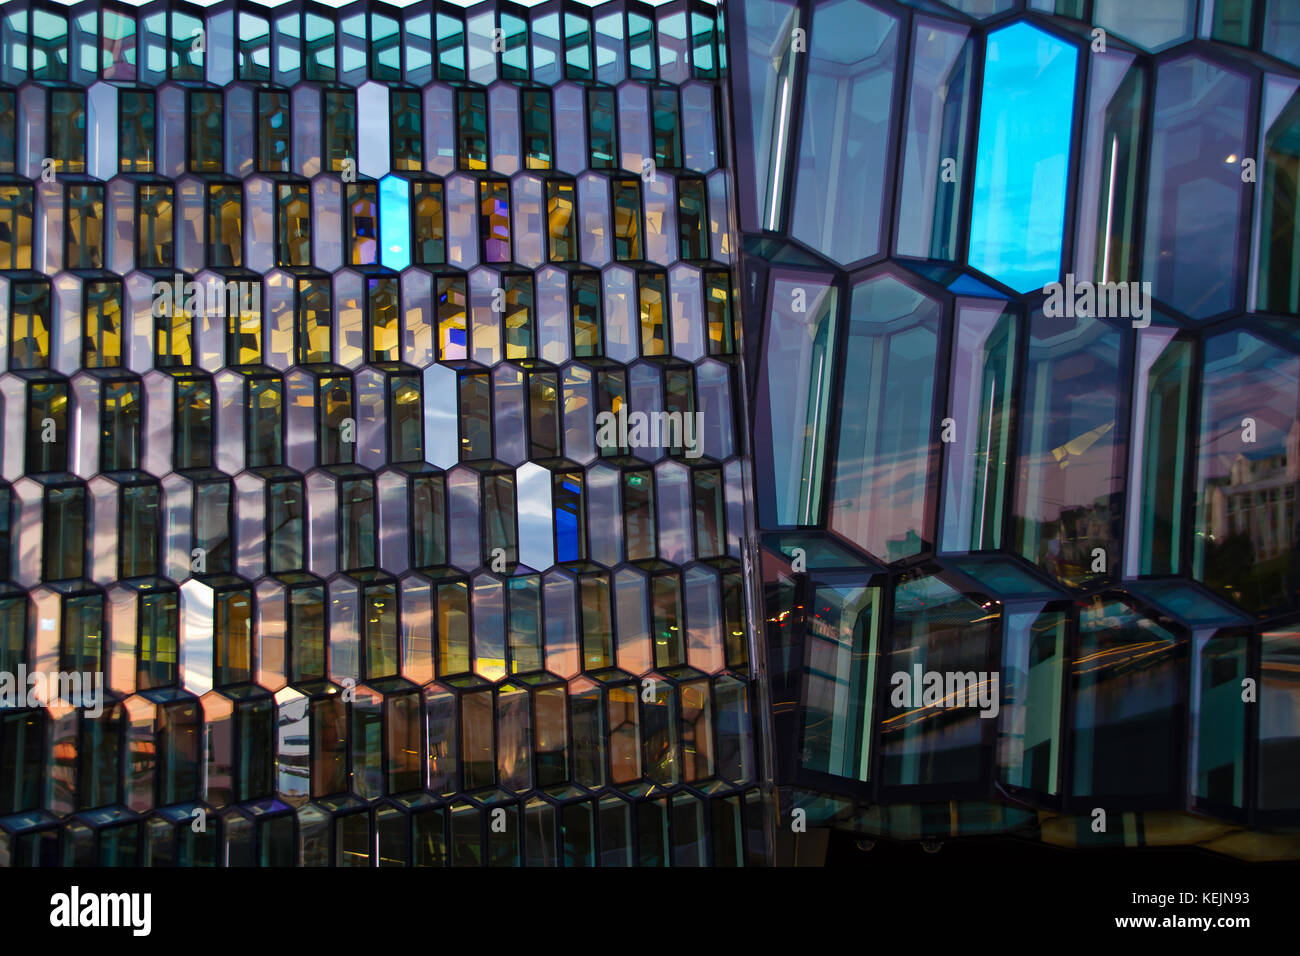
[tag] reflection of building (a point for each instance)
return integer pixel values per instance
(1067, 551)
(368, 583)
(996, 487)
(1256, 500)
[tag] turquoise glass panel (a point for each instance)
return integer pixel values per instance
(1022, 158)
(395, 222)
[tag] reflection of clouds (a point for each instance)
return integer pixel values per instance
(197, 640)
(881, 503)
(536, 541)
(441, 428)
(1018, 206)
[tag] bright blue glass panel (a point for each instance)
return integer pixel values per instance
(395, 222)
(567, 545)
(1022, 158)
(966, 285)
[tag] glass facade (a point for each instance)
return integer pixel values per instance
(312, 331)
(1024, 416)
(632, 434)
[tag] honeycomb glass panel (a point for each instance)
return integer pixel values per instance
(68, 130)
(1022, 172)
(535, 109)
(1117, 649)
(886, 421)
(561, 219)
(155, 235)
(800, 346)
(1069, 501)
(1246, 489)
(339, 134)
(205, 131)
(932, 673)
(136, 134)
(846, 112)
(1190, 266)
(84, 236)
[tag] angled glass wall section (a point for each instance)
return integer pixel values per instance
(936, 151)
(977, 467)
(1247, 475)
(940, 646)
(841, 171)
(1196, 196)
(1278, 237)
(1084, 493)
(1129, 706)
(839, 676)
(885, 440)
(1106, 248)
(796, 382)
(1157, 532)
(1279, 723)
(1069, 493)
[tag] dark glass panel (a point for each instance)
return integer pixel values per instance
(471, 125)
(193, 423)
(627, 218)
(119, 422)
(500, 537)
(357, 524)
(47, 427)
(932, 728)
(293, 235)
(340, 129)
(29, 325)
(430, 225)
(135, 130)
(226, 225)
(68, 130)
(536, 107)
(1127, 682)
(84, 236)
(692, 219)
(1070, 493)
(600, 128)
(139, 535)
(475, 417)
(407, 130)
(1196, 197)
(585, 296)
(428, 525)
(63, 533)
(284, 525)
(155, 240)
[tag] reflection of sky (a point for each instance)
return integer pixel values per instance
(394, 222)
(1021, 162)
(536, 547)
(1247, 378)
